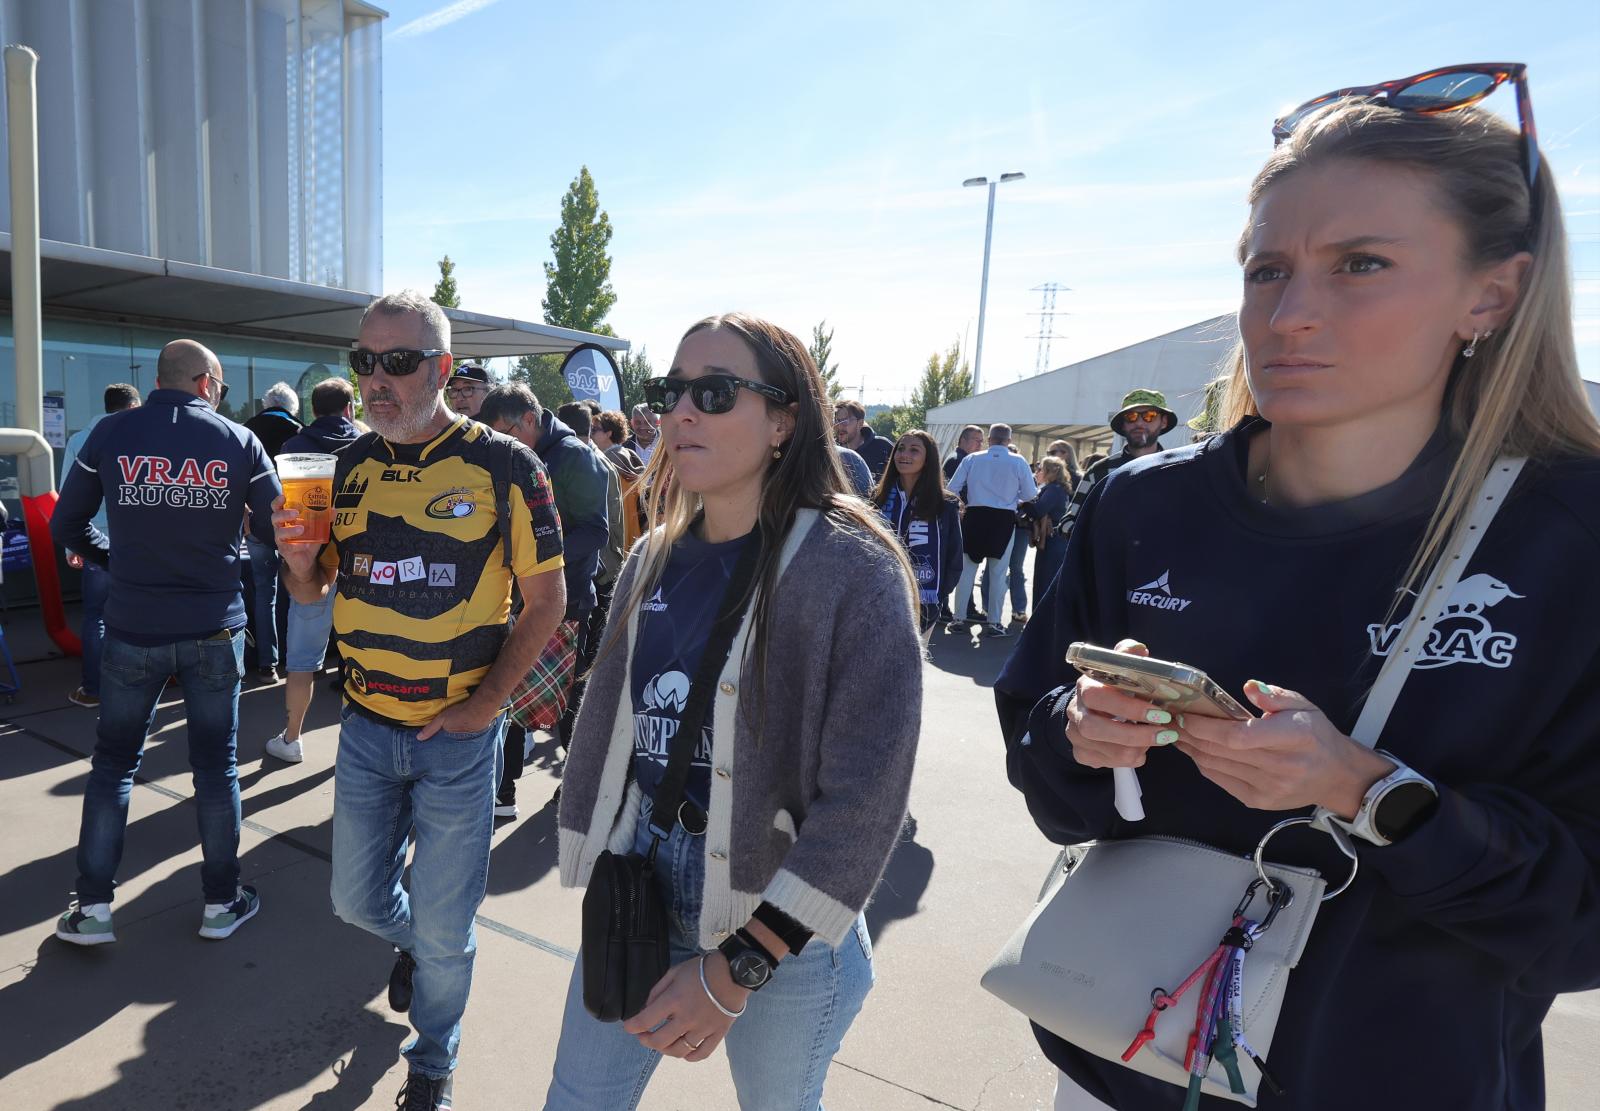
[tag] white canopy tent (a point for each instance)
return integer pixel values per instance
(1074, 402)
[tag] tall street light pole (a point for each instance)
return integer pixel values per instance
(983, 290)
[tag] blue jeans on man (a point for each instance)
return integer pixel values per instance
(264, 572)
(131, 679)
(95, 587)
(391, 790)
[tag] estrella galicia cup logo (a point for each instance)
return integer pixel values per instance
(452, 504)
(317, 497)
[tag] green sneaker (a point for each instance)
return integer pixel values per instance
(221, 919)
(86, 925)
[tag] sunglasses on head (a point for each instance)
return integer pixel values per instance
(1438, 90)
(396, 364)
(1148, 416)
(712, 393)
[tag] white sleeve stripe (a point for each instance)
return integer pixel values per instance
(85, 466)
(262, 475)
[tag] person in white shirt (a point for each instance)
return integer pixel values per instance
(993, 484)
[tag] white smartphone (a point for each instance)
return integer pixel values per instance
(1172, 686)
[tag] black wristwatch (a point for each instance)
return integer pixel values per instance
(749, 964)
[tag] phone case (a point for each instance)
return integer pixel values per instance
(1172, 686)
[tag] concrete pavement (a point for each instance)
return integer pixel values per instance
(290, 1012)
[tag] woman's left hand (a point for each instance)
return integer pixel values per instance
(678, 1019)
(1290, 757)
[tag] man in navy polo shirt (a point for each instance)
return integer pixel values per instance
(176, 480)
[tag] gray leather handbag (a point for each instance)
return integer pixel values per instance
(1120, 921)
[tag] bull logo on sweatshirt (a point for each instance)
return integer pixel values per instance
(1463, 633)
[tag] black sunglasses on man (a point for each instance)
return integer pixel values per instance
(397, 363)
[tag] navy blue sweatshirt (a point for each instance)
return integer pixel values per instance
(1426, 983)
(176, 479)
(323, 436)
(934, 546)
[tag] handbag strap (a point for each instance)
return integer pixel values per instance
(1435, 595)
(735, 599)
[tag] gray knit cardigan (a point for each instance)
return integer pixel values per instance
(805, 816)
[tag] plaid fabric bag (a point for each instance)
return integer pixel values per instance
(540, 698)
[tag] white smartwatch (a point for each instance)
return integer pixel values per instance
(1393, 807)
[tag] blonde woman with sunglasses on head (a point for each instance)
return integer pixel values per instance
(1405, 326)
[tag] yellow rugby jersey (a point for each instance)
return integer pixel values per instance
(423, 593)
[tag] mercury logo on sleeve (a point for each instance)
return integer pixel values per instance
(156, 480)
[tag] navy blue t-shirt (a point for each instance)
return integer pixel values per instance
(673, 627)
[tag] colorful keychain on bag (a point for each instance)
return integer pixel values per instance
(1218, 1032)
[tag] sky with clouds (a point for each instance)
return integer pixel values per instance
(805, 161)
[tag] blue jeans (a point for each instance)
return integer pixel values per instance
(778, 1051)
(1017, 570)
(390, 790)
(131, 678)
(264, 571)
(96, 586)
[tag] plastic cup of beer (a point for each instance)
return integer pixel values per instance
(308, 488)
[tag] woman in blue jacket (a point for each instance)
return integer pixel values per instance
(925, 516)
(1405, 322)
(1050, 509)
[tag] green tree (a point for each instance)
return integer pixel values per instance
(633, 370)
(542, 375)
(444, 290)
(578, 291)
(946, 378)
(821, 349)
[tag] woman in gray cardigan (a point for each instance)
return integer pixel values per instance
(798, 786)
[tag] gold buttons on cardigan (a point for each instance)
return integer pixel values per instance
(727, 688)
(719, 856)
(724, 773)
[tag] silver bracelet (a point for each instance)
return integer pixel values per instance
(715, 1002)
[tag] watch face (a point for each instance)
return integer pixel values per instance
(1402, 809)
(749, 970)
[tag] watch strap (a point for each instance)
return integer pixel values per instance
(789, 931)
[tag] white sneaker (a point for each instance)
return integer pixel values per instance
(290, 752)
(86, 925)
(505, 810)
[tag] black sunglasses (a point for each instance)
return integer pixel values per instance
(712, 393)
(1438, 90)
(222, 387)
(396, 364)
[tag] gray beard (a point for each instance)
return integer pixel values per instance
(408, 428)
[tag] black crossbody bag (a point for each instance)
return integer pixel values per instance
(625, 929)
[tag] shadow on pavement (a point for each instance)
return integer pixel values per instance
(526, 854)
(284, 1001)
(956, 654)
(899, 892)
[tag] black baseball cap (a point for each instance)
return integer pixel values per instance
(473, 372)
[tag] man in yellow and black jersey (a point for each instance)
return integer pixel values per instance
(424, 588)
(436, 519)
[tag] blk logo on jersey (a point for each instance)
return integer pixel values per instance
(154, 480)
(1462, 634)
(1157, 594)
